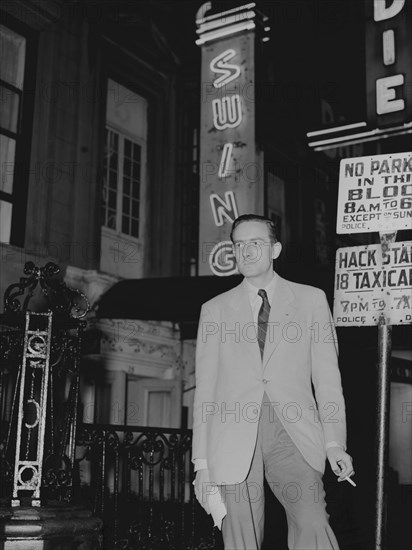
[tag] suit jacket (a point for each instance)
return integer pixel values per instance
(299, 373)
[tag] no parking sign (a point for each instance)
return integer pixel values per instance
(375, 193)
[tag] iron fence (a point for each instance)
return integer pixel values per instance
(138, 480)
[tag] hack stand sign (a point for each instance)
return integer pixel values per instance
(373, 283)
(373, 286)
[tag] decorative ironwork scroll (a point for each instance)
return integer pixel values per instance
(40, 345)
(31, 419)
(139, 481)
(59, 297)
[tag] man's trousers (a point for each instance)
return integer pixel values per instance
(297, 486)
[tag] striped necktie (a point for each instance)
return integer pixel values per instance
(263, 320)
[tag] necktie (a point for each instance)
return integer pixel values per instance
(263, 320)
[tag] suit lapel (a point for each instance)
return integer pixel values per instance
(282, 311)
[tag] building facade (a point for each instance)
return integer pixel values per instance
(100, 136)
(98, 145)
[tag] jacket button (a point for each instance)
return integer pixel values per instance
(265, 381)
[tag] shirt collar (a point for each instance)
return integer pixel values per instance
(253, 290)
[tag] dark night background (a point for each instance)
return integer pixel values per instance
(312, 66)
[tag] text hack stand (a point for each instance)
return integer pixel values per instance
(373, 283)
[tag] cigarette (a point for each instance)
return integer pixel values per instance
(347, 478)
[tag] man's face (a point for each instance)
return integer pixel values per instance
(253, 248)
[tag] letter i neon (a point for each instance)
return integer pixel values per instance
(225, 160)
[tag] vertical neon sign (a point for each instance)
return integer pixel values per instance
(231, 167)
(388, 62)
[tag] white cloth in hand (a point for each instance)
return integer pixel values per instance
(210, 498)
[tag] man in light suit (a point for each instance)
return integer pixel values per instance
(268, 399)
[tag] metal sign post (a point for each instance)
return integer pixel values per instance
(383, 407)
(382, 436)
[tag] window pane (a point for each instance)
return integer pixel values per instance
(136, 152)
(106, 149)
(126, 186)
(110, 181)
(13, 51)
(113, 180)
(9, 109)
(112, 199)
(5, 221)
(131, 187)
(7, 152)
(127, 148)
(136, 190)
(113, 149)
(136, 170)
(105, 178)
(113, 160)
(126, 206)
(135, 209)
(127, 165)
(135, 228)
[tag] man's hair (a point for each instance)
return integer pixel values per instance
(256, 218)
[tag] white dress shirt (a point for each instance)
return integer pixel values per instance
(255, 300)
